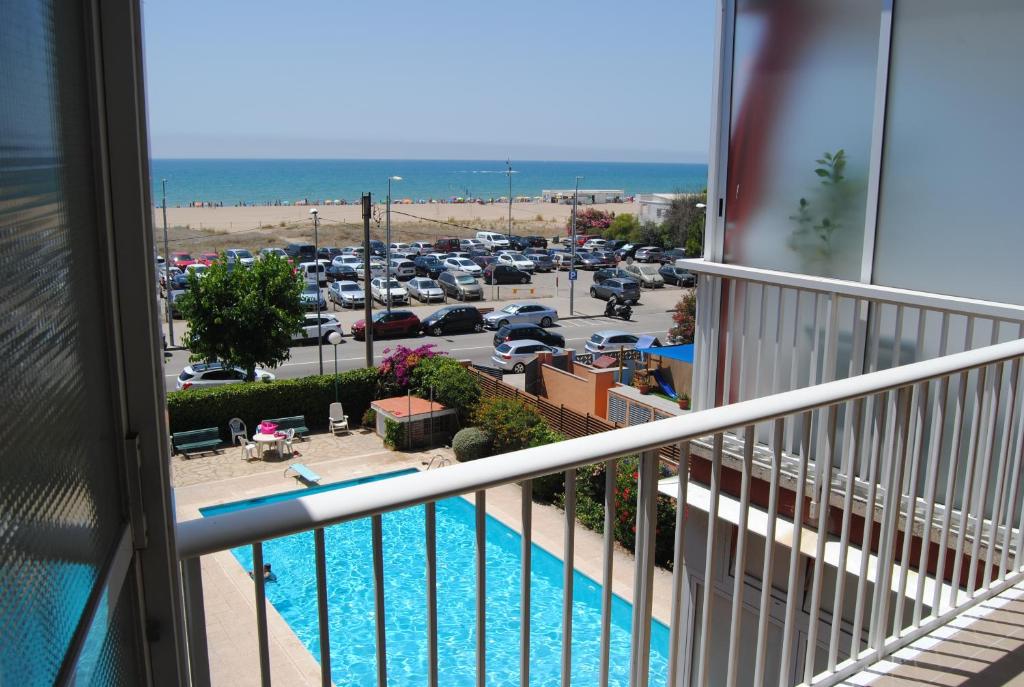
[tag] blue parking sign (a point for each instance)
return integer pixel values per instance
(572, 275)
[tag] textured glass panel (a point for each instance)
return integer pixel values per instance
(59, 493)
(803, 87)
(108, 656)
(949, 219)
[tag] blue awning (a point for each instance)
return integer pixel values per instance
(682, 352)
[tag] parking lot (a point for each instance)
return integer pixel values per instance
(652, 315)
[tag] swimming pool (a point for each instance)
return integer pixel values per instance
(351, 601)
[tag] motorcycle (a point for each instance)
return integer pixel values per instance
(616, 309)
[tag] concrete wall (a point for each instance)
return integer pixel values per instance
(581, 388)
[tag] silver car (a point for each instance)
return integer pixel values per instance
(611, 341)
(464, 265)
(202, 375)
(520, 313)
(347, 294)
(512, 356)
(424, 290)
(402, 268)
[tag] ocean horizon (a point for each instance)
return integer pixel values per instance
(262, 181)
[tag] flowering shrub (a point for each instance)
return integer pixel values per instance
(395, 371)
(685, 319)
(590, 221)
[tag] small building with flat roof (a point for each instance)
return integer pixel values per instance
(425, 421)
(587, 196)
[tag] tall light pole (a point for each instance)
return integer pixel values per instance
(316, 272)
(387, 244)
(335, 339)
(509, 163)
(572, 247)
(167, 270)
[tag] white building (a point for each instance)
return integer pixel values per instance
(587, 196)
(653, 207)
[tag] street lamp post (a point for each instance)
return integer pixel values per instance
(387, 245)
(335, 338)
(509, 163)
(572, 247)
(167, 270)
(316, 272)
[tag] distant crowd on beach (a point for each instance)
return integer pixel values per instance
(458, 200)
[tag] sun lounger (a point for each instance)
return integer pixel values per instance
(303, 473)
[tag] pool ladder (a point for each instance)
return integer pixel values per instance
(440, 459)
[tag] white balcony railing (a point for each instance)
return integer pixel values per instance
(848, 621)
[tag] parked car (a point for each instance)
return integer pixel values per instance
(402, 268)
(353, 250)
(581, 239)
(670, 256)
(594, 244)
(513, 356)
(677, 275)
(376, 269)
(453, 319)
(428, 266)
(625, 252)
(464, 264)
(384, 290)
(347, 294)
(424, 289)
(394, 323)
(612, 245)
(446, 244)
(181, 259)
(313, 272)
(350, 259)
(536, 242)
(646, 274)
(202, 375)
(457, 254)
(328, 253)
(460, 285)
(484, 260)
(471, 245)
(610, 340)
(196, 268)
(623, 290)
(610, 273)
(593, 260)
(517, 332)
(311, 330)
(542, 262)
(342, 272)
(517, 260)
(378, 248)
(398, 247)
(311, 296)
(279, 252)
(422, 247)
(492, 240)
(209, 257)
(301, 252)
(496, 273)
(519, 243)
(563, 258)
(648, 254)
(521, 313)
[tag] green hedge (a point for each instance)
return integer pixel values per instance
(256, 401)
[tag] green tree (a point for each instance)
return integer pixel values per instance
(453, 386)
(647, 234)
(683, 225)
(513, 425)
(243, 316)
(622, 226)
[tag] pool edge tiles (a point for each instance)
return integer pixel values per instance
(350, 589)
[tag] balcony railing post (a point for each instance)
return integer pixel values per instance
(321, 606)
(195, 620)
(643, 576)
(679, 581)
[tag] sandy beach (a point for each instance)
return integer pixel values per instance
(215, 228)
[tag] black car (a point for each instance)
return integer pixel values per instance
(610, 273)
(625, 252)
(453, 319)
(677, 275)
(669, 257)
(341, 273)
(328, 253)
(505, 274)
(377, 247)
(519, 243)
(483, 260)
(515, 332)
(622, 290)
(428, 266)
(536, 242)
(613, 245)
(301, 252)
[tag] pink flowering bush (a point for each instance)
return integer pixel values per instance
(395, 371)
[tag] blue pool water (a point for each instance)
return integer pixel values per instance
(351, 603)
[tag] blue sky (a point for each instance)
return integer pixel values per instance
(587, 80)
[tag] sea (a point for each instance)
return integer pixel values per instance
(261, 182)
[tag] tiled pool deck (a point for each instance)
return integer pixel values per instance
(228, 591)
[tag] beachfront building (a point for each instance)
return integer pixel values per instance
(653, 207)
(850, 475)
(587, 196)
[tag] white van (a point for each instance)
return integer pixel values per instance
(492, 240)
(313, 272)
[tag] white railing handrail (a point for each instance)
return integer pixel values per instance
(883, 294)
(216, 533)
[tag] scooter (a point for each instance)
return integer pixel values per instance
(615, 309)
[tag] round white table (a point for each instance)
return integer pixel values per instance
(264, 440)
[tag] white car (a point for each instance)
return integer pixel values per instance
(512, 356)
(517, 260)
(424, 290)
(352, 250)
(422, 247)
(492, 240)
(471, 244)
(347, 294)
(279, 252)
(612, 340)
(315, 326)
(202, 375)
(376, 269)
(645, 274)
(239, 255)
(402, 268)
(313, 272)
(384, 290)
(196, 269)
(439, 256)
(398, 247)
(351, 259)
(463, 264)
(594, 244)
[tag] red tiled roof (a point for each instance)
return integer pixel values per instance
(400, 406)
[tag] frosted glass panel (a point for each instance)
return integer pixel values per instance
(949, 214)
(800, 137)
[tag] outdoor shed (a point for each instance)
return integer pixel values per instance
(426, 422)
(675, 364)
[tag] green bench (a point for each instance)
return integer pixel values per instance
(196, 441)
(298, 423)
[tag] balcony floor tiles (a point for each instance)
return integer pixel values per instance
(228, 593)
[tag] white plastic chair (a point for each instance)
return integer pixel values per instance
(289, 437)
(338, 418)
(239, 435)
(248, 451)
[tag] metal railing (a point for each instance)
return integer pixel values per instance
(889, 596)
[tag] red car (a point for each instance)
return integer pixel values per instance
(207, 258)
(181, 259)
(394, 323)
